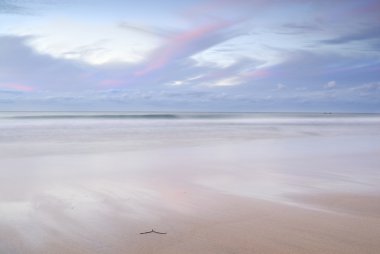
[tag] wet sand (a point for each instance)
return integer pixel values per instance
(227, 203)
(294, 194)
(208, 224)
(355, 204)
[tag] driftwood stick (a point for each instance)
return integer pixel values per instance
(161, 233)
(148, 232)
(153, 231)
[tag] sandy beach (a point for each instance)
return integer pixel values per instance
(285, 189)
(251, 226)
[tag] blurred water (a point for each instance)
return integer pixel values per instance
(72, 132)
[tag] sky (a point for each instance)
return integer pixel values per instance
(210, 55)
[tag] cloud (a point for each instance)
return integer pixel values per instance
(372, 33)
(244, 70)
(33, 71)
(24, 69)
(300, 28)
(17, 87)
(22, 7)
(311, 67)
(330, 84)
(368, 88)
(231, 81)
(11, 7)
(241, 77)
(43, 81)
(280, 86)
(185, 44)
(147, 30)
(93, 43)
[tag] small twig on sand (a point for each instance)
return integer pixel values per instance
(153, 231)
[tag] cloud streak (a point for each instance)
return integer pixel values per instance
(372, 33)
(19, 64)
(10, 7)
(17, 87)
(185, 44)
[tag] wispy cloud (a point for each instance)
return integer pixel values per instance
(185, 44)
(11, 7)
(19, 64)
(29, 8)
(372, 87)
(330, 85)
(372, 33)
(144, 29)
(300, 28)
(17, 87)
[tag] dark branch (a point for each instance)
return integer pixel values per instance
(153, 231)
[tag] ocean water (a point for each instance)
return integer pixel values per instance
(266, 155)
(28, 133)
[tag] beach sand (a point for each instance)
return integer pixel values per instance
(218, 206)
(309, 193)
(211, 224)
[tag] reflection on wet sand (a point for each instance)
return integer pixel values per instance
(295, 194)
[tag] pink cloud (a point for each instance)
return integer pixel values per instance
(181, 45)
(257, 74)
(17, 87)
